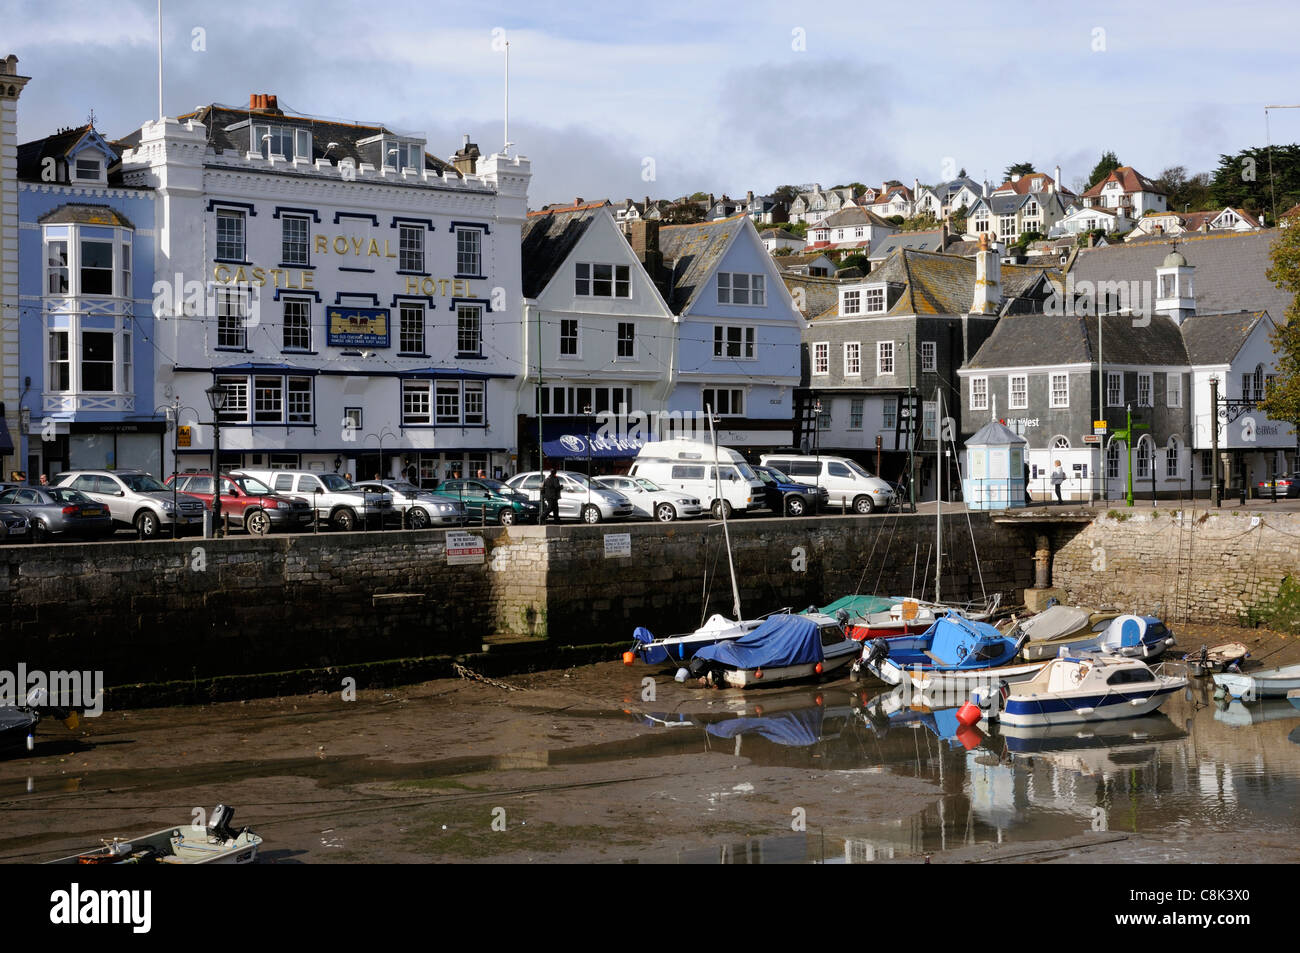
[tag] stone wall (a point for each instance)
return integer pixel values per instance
(1225, 566)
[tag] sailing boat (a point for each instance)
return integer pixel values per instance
(718, 627)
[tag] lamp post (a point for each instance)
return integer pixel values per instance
(586, 412)
(1227, 410)
(817, 441)
(379, 438)
(172, 412)
(217, 397)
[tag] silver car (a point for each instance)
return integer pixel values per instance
(652, 501)
(419, 508)
(14, 526)
(134, 498)
(580, 498)
(58, 511)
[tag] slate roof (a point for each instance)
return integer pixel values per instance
(31, 156)
(78, 213)
(853, 215)
(1216, 338)
(217, 118)
(547, 240)
(1023, 185)
(791, 261)
(995, 434)
(1050, 340)
(1229, 276)
(927, 240)
(820, 294)
(691, 252)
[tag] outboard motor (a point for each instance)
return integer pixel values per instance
(220, 826)
(871, 651)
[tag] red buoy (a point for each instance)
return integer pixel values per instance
(968, 714)
(818, 668)
(629, 658)
(758, 673)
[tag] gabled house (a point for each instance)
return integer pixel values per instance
(85, 322)
(1127, 190)
(1164, 333)
(738, 333)
(778, 239)
(813, 206)
(1169, 223)
(1005, 215)
(815, 263)
(894, 199)
(851, 228)
(597, 335)
(887, 351)
(947, 197)
(1080, 219)
(929, 240)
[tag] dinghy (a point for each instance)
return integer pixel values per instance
(1269, 683)
(216, 844)
(1217, 659)
(1058, 626)
(784, 648)
(1081, 688)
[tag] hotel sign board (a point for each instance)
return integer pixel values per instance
(357, 327)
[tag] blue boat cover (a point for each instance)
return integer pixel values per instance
(1130, 633)
(954, 640)
(794, 729)
(781, 641)
(653, 656)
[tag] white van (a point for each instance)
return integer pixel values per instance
(845, 480)
(721, 482)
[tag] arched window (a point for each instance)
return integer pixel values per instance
(1112, 460)
(1173, 454)
(1060, 442)
(1145, 456)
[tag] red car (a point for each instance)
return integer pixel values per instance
(248, 501)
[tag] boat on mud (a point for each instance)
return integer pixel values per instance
(218, 843)
(953, 655)
(1266, 683)
(785, 648)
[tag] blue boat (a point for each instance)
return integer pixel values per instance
(955, 652)
(1131, 636)
(784, 648)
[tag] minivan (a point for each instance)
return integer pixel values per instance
(723, 482)
(845, 480)
(334, 500)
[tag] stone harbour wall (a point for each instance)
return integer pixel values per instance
(1227, 566)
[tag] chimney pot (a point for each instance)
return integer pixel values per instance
(272, 102)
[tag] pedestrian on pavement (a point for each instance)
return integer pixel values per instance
(551, 497)
(1028, 498)
(45, 480)
(1058, 477)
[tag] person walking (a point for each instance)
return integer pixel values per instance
(551, 497)
(1058, 477)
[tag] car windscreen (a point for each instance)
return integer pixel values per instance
(746, 472)
(650, 485)
(252, 485)
(60, 495)
(141, 483)
(406, 489)
(335, 483)
(780, 476)
(856, 468)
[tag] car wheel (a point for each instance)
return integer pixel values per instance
(721, 509)
(864, 505)
(257, 523)
(665, 512)
(591, 514)
(506, 517)
(146, 524)
(40, 534)
(417, 518)
(344, 520)
(796, 506)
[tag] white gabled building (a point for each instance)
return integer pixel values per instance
(358, 299)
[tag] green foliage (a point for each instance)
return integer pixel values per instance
(1024, 240)
(856, 260)
(1282, 400)
(795, 228)
(857, 187)
(782, 252)
(1096, 233)
(957, 220)
(685, 212)
(698, 197)
(918, 222)
(1019, 168)
(1108, 164)
(785, 193)
(1186, 193)
(1243, 180)
(895, 219)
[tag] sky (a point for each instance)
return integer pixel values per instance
(623, 100)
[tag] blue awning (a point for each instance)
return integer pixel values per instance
(573, 440)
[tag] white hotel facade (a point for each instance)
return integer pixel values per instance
(359, 300)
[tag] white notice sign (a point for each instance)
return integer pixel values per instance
(463, 549)
(618, 545)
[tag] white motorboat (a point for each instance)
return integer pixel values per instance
(218, 843)
(1082, 688)
(785, 648)
(1268, 683)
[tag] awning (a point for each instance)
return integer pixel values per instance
(572, 440)
(6, 441)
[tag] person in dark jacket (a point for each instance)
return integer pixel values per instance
(551, 497)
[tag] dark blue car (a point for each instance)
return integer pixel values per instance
(785, 497)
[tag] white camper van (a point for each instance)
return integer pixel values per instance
(721, 482)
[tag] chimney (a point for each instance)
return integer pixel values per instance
(643, 236)
(987, 298)
(749, 196)
(1016, 177)
(263, 102)
(465, 161)
(1057, 179)
(986, 188)
(646, 206)
(916, 186)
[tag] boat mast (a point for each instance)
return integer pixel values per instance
(938, 496)
(722, 508)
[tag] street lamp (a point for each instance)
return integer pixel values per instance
(817, 441)
(586, 412)
(217, 397)
(379, 474)
(172, 413)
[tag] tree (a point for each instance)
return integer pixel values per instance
(1282, 400)
(1186, 193)
(961, 174)
(958, 220)
(684, 212)
(856, 260)
(1020, 168)
(1108, 164)
(895, 220)
(1243, 180)
(785, 193)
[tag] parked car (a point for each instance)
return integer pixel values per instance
(652, 501)
(14, 526)
(333, 499)
(248, 502)
(56, 511)
(786, 497)
(720, 478)
(848, 483)
(134, 498)
(490, 501)
(418, 509)
(580, 498)
(1288, 486)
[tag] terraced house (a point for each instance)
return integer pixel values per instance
(883, 357)
(358, 299)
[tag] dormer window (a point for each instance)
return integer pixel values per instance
(280, 142)
(403, 155)
(89, 169)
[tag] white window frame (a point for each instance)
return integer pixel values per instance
(232, 216)
(852, 358)
(625, 340)
(821, 361)
(1147, 400)
(750, 292)
(852, 302)
(857, 408)
(304, 258)
(463, 311)
(467, 255)
(585, 277)
(575, 338)
(289, 302)
(1055, 401)
(885, 364)
(979, 393)
(929, 356)
(747, 346)
(1115, 393)
(416, 336)
(410, 248)
(875, 300)
(889, 413)
(1022, 380)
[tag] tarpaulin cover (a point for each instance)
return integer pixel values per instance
(956, 642)
(781, 641)
(794, 729)
(1055, 622)
(859, 607)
